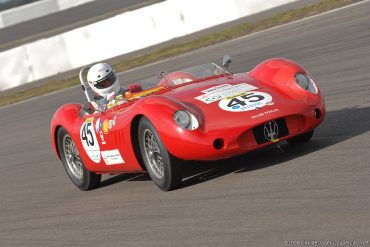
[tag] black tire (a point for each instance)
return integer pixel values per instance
(303, 138)
(76, 171)
(164, 169)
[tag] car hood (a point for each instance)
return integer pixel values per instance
(235, 102)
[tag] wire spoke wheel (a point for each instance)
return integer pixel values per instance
(163, 168)
(153, 154)
(73, 164)
(73, 158)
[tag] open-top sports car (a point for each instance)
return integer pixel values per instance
(200, 113)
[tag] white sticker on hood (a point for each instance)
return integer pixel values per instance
(217, 89)
(219, 92)
(247, 101)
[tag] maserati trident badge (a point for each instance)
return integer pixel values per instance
(271, 131)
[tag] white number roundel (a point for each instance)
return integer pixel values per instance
(245, 102)
(89, 140)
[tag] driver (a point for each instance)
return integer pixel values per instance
(104, 82)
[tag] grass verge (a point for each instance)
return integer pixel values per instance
(170, 51)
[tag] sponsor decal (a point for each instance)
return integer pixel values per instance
(108, 124)
(146, 92)
(264, 113)
(223, 91)
(112, 122)
(112, 157)
(102, 137)
(246, 101)
(98, 125)
(94, 155)
(89, 140)
(217, 89)
(105, 126)
(271, 131)
(112, 103)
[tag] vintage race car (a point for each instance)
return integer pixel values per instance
(200, 113)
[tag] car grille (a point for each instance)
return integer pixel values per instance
(270, 131)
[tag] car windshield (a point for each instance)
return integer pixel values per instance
(183, 75)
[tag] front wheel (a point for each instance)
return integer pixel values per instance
(303, 138)
(163, 168)
(73, 165)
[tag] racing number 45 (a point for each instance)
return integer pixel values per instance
(241, 100)
(86, 134)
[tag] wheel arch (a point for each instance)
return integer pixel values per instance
(55, 140)
(134, 133)
(62, 118)
(159, 111)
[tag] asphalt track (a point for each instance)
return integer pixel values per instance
(319, 191)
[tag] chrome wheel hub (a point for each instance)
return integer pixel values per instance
(153, 154)
(73, 158)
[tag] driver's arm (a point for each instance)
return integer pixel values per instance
(135, 88)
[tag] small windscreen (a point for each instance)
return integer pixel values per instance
(183, 75)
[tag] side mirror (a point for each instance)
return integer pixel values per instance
(88, 107)
(226, 62)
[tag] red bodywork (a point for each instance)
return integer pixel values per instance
(274, 77)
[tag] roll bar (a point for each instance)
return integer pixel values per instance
(85, 84)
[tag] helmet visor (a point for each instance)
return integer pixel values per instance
(106, 82)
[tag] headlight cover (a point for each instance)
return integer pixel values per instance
(305, 82)
(186, 120)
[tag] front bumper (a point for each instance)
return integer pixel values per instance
(229, 142)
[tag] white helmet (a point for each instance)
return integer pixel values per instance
(103, 80)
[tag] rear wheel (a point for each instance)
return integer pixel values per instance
(163, 168)
(301, 138)
(73, 164)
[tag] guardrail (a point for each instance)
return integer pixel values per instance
(118, 35)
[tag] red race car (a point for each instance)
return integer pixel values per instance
(200, 113)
